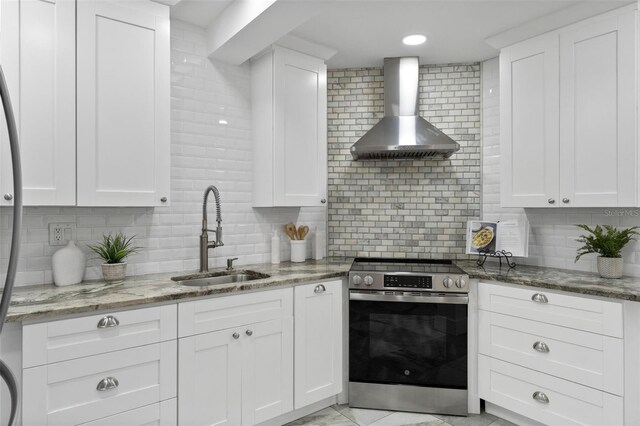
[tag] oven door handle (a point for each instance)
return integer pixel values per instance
(381, 297)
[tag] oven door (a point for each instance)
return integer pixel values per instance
(408, 339)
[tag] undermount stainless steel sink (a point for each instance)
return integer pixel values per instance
(217, 278)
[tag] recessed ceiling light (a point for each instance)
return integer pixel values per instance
(414, 39)
(223, 121)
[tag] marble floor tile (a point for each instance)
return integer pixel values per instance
(502, 422)
(483, 419)
(407, 419)
(343, 415)
(326, 417)
(361, 416)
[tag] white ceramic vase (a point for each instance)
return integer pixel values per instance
(114, 272)
(610, 267)
(68, 265)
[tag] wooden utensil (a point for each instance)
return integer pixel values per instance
(290, 230)
(303, 231)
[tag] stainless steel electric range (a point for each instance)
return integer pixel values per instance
(408, 335)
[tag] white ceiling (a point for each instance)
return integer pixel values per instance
(199, 12)
(365, 31)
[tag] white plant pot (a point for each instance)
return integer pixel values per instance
(114, 272)
(610, 267)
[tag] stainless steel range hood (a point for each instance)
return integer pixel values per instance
(402, 133)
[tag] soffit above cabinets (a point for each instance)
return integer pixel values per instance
(363, 32)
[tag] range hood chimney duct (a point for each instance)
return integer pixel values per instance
(402, 133)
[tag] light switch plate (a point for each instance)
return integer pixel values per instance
(61, 233)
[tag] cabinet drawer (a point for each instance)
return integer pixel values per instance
(66, 393)
(63, 340)
(581, 313)
(160, 414)
(586, 358)
(513, 387)
(203, 316)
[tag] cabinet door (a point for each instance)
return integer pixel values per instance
(529, 144)
(300, 129)
(38, 57)
(598, 113)
(123, 103)
(318, 342)
(267, 371)
(210, 372)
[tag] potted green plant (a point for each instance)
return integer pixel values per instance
(608, 242)
(113, 249)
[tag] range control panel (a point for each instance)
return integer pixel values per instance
(441, 283)
(408, 281)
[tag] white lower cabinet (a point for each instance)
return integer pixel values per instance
(114, 368)
(242, 375)
(236, 376)
(226, 360)
(551, 357)
(318, 342)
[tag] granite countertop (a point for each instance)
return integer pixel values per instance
(587, 283)
(48, 301)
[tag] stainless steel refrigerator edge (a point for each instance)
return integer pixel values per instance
(16, 196)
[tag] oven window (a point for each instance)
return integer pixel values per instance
(408, 343)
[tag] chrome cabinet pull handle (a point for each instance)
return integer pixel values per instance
(163, 199)
(540, 397)
(107, 383)
(320, 288)
(541, 347)
(323, 201)
(8, 197)
(108, 321)
(236, 335)
(539, 298)
(551, 201)
(249, 332)
(565, 200)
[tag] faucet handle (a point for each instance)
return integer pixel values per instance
(230, 263)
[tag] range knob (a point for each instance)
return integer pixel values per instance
(447, 282)
(460, 282)
(356, 280)
(368, 280)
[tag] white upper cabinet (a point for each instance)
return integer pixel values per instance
(568, 116)
(598, 113)
(119, 152)
(37, 52)
(529, 122)
(123, 103)
(289, 103)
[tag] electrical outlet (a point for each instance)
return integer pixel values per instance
(61, 233)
